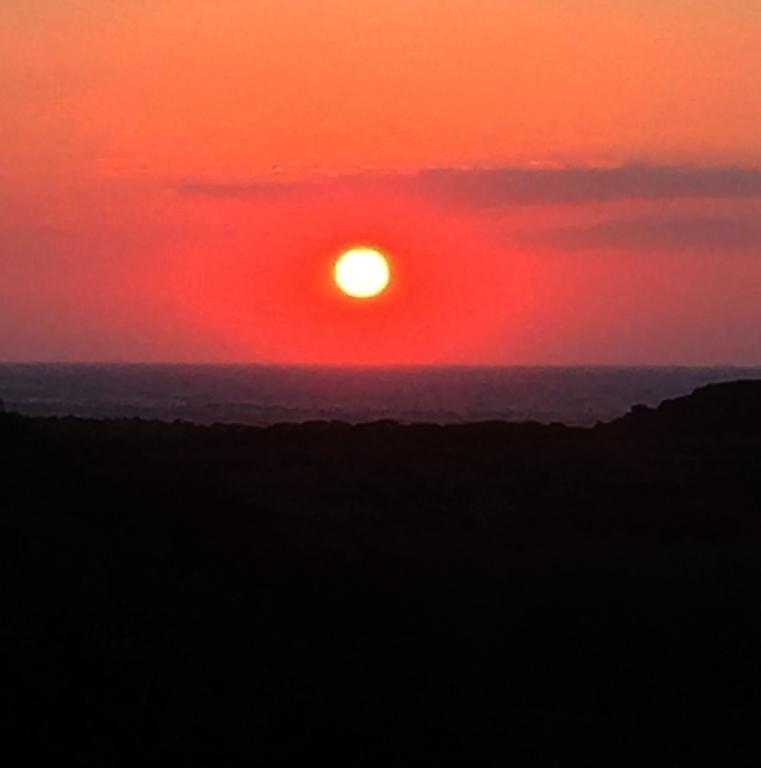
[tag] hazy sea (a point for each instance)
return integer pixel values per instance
(257, 394)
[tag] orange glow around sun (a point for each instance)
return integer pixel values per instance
(268, 288)
(362, 272)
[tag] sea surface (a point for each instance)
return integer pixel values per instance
(260, 395)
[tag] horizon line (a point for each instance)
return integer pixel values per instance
(303, 365)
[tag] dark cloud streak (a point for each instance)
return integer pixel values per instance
(680, 234)
(497, 187)
(253, 190)
(694, 234)
(493, 188)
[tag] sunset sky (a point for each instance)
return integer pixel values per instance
(554, 181)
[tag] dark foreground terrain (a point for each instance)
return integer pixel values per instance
(381, 592)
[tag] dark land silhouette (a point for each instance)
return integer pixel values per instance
(382, 592)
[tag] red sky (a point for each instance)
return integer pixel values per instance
(574, 182)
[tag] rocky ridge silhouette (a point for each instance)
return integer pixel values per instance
(381, 593)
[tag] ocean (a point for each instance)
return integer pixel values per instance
(261, 395)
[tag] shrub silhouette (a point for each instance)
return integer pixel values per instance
(386, 591)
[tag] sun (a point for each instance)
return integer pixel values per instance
(362, 272)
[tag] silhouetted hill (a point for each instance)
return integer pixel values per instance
(379, 593)
(732, 408)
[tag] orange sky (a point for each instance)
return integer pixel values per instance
(190, 87)
(112, 108)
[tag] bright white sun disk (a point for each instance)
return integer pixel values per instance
(362, 272)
